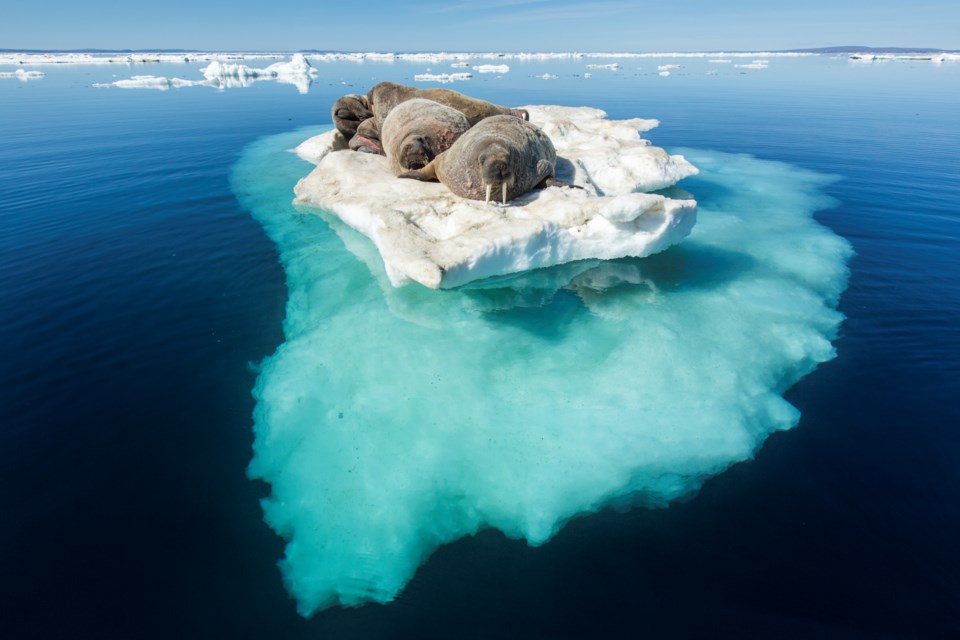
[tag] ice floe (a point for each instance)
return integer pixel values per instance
(22, 74)
(492, 68)
(755, 64)
(225, 75)
(443, 78)
(426, 234)
(922, 57)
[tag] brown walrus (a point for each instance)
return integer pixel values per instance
(350, 111)
(501, 154)
(418, 130)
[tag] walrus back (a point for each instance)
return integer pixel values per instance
(435, 126)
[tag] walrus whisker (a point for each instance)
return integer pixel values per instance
(489, 189)
(504, 193)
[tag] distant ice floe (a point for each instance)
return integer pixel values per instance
(936, 58)
(667, 67)
(613, 66)
(22, 74)
(443, 78)
(756, 64)
(129, 59)
(492, 68)
(461, 65)
(720, 61)
(663, 73)
(427, 234)
(222, 75)
(201, 56)
(548, 76)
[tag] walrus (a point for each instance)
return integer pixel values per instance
(418, 130)
(348, 112)
(385, 96)
(361, 117)
(501, 154)
(367, 138)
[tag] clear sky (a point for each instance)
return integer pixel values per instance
(479, 25)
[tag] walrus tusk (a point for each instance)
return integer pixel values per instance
(489, 189)
(504, 193)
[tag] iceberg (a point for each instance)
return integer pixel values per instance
(392, 421)
(297, 72)
(220, 75)
(426, 234)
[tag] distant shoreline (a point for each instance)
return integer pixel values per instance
(817, 50)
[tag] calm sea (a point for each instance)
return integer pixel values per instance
(138, 296)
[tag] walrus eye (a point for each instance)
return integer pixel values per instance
(482, 159)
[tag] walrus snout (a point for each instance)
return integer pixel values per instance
(414, 153)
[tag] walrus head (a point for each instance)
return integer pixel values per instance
(367, 138)
(414, 152)
(348, 112)
(495, 170)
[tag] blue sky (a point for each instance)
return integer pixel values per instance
(479, 25)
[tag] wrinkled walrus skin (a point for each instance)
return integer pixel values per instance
(502, 155)
(385, 96)
(359, 118)
(417, 131)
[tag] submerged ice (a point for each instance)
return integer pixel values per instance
(395, 420)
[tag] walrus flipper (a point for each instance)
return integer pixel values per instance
(427, 174)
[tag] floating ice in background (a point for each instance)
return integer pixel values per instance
(22, 74)
(27, 58)
(150, 82)
(297, 72)
(392, 421)
(884, 57)
(443, 78)
(220, 75)
(492, 68)
(756, 64)
(427, 234)
(613, 65)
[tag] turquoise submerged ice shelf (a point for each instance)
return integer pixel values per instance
(392, 421)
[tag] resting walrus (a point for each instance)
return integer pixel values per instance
(417, 131)
(348, 112)
(360, 118)
(502, 154)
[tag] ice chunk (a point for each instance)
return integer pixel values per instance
(492, 68)
(442, 77)
(392, 421)
(297, 71)
(22, 74)
(756, 64)
(427, 234)
(150, 82)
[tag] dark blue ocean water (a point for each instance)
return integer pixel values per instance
(137, 296)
